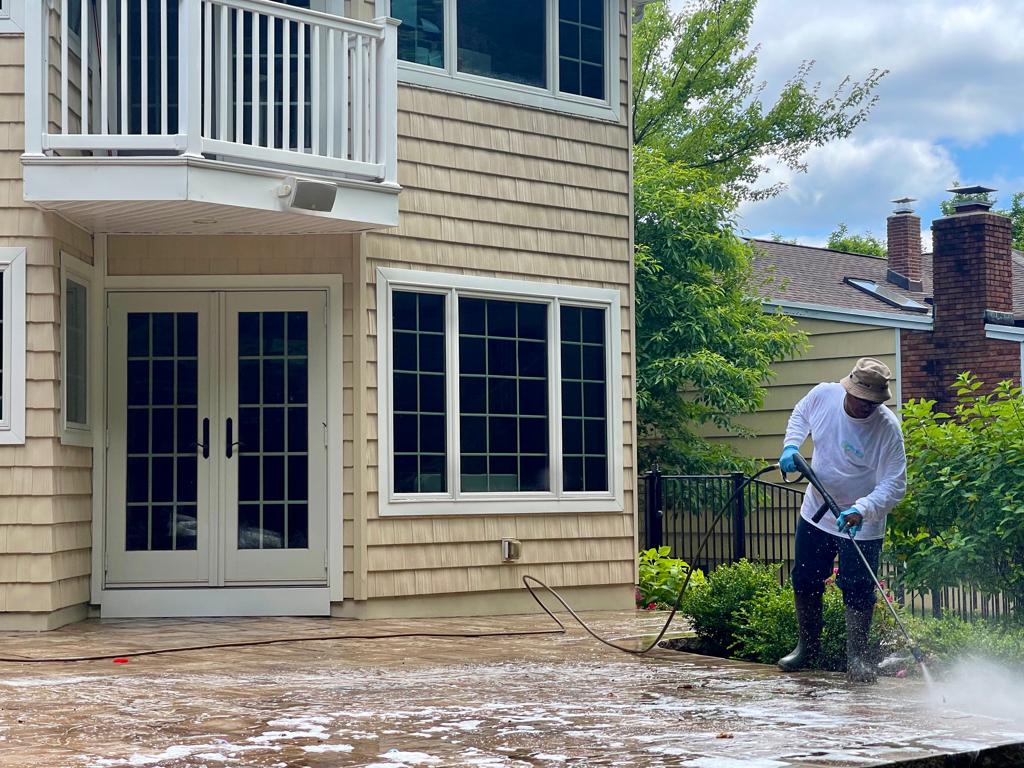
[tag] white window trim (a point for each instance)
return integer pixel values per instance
(450, 79)
(72, 268)
(455, 502)
(12, 17)
(12, 420)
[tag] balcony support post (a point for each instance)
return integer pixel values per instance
(387, 112)
(190, 76)
(37, 18)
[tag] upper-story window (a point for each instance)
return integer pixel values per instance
(549, 53)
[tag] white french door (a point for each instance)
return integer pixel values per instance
(217, 470)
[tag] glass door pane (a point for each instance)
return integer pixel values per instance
(160, 354)
(163, 435)
(276, 469)
(273, 416)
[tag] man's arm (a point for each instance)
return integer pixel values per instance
(799, 426)
(892, 482)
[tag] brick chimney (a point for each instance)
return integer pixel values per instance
(903, 236)
(971, 276)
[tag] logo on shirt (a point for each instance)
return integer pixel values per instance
(849, 448)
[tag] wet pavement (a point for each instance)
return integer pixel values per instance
(542, 700)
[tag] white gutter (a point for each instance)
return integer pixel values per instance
(1004, 332)
(1007, 333)
(920, 322)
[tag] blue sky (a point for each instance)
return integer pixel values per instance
(952, 107)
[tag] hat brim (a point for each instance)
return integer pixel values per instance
(864, 393)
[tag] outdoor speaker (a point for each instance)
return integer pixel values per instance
(307, 195)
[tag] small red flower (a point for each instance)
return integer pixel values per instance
(651, 606)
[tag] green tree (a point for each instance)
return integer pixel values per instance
(868, 244)
(702, 137)
(705, 345)
(697, 100)
(1015, 212)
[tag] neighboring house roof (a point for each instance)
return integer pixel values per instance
(807, 274)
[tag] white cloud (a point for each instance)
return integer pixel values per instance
(851, 181)
(954, 69)
(955, 79)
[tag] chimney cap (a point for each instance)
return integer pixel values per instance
(975, 189)
(903, 204)
(974, 198)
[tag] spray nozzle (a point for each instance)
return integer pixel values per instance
(917, 653)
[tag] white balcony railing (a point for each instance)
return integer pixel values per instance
(250, 81)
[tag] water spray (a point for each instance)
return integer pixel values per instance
(830, 505)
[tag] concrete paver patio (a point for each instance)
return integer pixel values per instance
(543, 700)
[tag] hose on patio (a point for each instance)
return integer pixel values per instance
(527, 580)
(679, 597)
(274, 641)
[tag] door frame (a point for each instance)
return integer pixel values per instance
(226, 601)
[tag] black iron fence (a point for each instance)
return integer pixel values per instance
(760, 525)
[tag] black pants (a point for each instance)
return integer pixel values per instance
(815, 553)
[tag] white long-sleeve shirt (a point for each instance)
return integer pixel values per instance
(861, 462)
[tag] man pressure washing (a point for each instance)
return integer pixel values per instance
(860, 460)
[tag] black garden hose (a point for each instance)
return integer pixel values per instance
(679, 597)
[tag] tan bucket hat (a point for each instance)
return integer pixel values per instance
(869, 380)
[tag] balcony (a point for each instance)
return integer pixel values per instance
(210, 117)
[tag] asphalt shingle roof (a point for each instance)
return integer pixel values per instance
(813, 275)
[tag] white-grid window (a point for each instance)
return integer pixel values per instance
(12, 339)
(12, 16)
(558, 54)
(76, 293)
(497, 395)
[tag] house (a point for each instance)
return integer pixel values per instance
(928, 316)
(317, 307)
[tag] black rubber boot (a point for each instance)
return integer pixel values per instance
(808, 618)
(858, 668)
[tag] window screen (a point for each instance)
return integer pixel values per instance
(503, 40)
(76, 353)
(418, 396)
(581, 42)
(421, 34)
(503, 400)
(584, 400)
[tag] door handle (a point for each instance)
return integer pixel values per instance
(229, 449)
(205, 445)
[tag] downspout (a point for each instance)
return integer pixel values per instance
(638, 9)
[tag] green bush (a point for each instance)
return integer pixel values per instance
(962, 521)
(716, 606)
(661, 578)
(949, 638)
(767, 630)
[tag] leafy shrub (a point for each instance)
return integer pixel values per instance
(949, 638)
(716, 606)
(768, 629)
(661, 578)
(962, 521)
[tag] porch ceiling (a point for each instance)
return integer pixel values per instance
(196, 196)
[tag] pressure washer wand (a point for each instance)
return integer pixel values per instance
(830, 505)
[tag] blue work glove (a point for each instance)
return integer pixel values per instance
(845, 524)
(786, 463)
